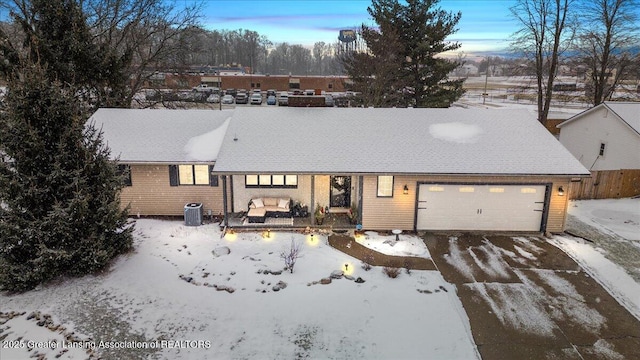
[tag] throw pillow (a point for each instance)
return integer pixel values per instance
(258, 203)
(283, 203)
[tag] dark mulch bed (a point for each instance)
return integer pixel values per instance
(341, 242)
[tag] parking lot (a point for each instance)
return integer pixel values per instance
(526, 299)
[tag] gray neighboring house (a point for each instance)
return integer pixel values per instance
(605, 137)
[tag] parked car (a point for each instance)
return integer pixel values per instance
(213, 98)
(283, 99)
(328, 100)
(256, 99)
(271, 92)
(227, 99)
(271, 100)
(256, 91)
(231, 91)
(242, 98)
(204, 88)
(309, 92)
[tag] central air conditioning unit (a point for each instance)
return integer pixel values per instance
(193, 214)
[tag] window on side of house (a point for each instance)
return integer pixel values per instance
(193, 174)
(124, 170)
(602, 149)
(385, 186)
(271, 181)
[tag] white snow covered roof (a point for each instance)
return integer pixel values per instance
(408, 141)
(162, 136)
(628, 112)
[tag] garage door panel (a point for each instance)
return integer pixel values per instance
(480, 207)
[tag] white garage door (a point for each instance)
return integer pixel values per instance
(480, 207)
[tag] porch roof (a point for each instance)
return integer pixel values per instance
(162, 136)
(392, 141)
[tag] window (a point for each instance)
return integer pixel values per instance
(602, 147)
(277, 180)
(385, 186)
(251, 180)
(271, 181)
(124, 170)
(192, 175)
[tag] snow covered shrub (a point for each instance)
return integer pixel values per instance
(291, 255)
(367, 260)
(391, 272)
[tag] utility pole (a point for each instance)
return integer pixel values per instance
(486, 79)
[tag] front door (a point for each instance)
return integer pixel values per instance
(340, 191)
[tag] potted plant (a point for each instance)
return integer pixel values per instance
(319, 214)
(353, 213)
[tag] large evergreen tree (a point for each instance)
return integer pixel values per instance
(60, 212)
(403, 51)
(56, 33)
(59, 190)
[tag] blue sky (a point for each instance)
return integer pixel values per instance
(485, 25)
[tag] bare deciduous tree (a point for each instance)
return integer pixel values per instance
(546, 30)
(147, 35)
(610, 30)
(291, 255)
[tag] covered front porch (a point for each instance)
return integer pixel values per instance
(331, 221)
(338, 195)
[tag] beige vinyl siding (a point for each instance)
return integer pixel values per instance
(242, 195)
(151, 194)
(398, 212)
(322, 190)
(557, 211)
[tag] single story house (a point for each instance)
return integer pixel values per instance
(409, 169)
(169, 157)
(605, 137)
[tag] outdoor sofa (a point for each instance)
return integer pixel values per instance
(261, 208)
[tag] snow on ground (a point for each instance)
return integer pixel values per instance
(610, 275)
(613, 216)
(180, 285)
(612, 260)
(408, 245)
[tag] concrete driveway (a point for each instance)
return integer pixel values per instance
(526, 299)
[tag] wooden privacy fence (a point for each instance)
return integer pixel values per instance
(607, 184)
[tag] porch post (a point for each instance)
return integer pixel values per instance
(231, 193)
(360, 192)
(312, 206)
(224, 200)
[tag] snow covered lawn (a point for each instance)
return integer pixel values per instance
(180, 285)
(620, 217)
(613, 256)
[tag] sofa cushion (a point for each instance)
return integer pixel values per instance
(283, 203)
(268, 201)
(257, 202)
(257, 212)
